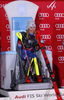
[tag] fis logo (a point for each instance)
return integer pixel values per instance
(46, 37)
(61, 59)
(60, 48)
(52, 5)
(43, 15)
(44, 26)
(59, 37)
(59, 26)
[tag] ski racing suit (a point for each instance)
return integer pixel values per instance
(30, 43)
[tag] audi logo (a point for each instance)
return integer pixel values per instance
(8, 27)
(59, 25)
(60, 47)
(6, 16)
(59, 14)
(44, 25)
(48, 47)
(8, 38)
(43, 14)
(2, 5)
(46, 36)
(59, 36)
(61, 58)
(8, 49)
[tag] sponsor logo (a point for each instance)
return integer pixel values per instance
(60, 48)
(59, 14)
(6, 16)
(52, 5)
(59, 26)
(46, 36)
(8, 38)
(2, 5)
(60, 37)
(43, 15)
(61, 59)
(8, 49)
(49, 47)
(20, 97)
(44, 26)
(8, 27)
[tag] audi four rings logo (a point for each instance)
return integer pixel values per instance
(48, 47)
(8, 49)
(43, 14)
(59, 25)
(2, 5)
(60, 47)
(61, 58)
(44, 25)
(46, 36)
(8, 27)
(59, 36)
(6, 16)
(59, 14)
(8, 38)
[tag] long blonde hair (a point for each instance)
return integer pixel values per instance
(27, 31)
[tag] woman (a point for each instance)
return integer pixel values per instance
(28, 44)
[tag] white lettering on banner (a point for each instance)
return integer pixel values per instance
(44, 26)
(46, 36)
(60, 48)
(8, 27)
(59, 37)
(52, 5)
(61, 59)
(2, 5)
(48, 47)
(43, 15)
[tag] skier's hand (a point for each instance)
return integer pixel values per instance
(37, 48)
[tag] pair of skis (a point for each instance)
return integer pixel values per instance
(38, 37)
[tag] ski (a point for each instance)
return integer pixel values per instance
(42, 47)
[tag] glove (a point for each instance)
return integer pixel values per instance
(37, 48)
(19, 45)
